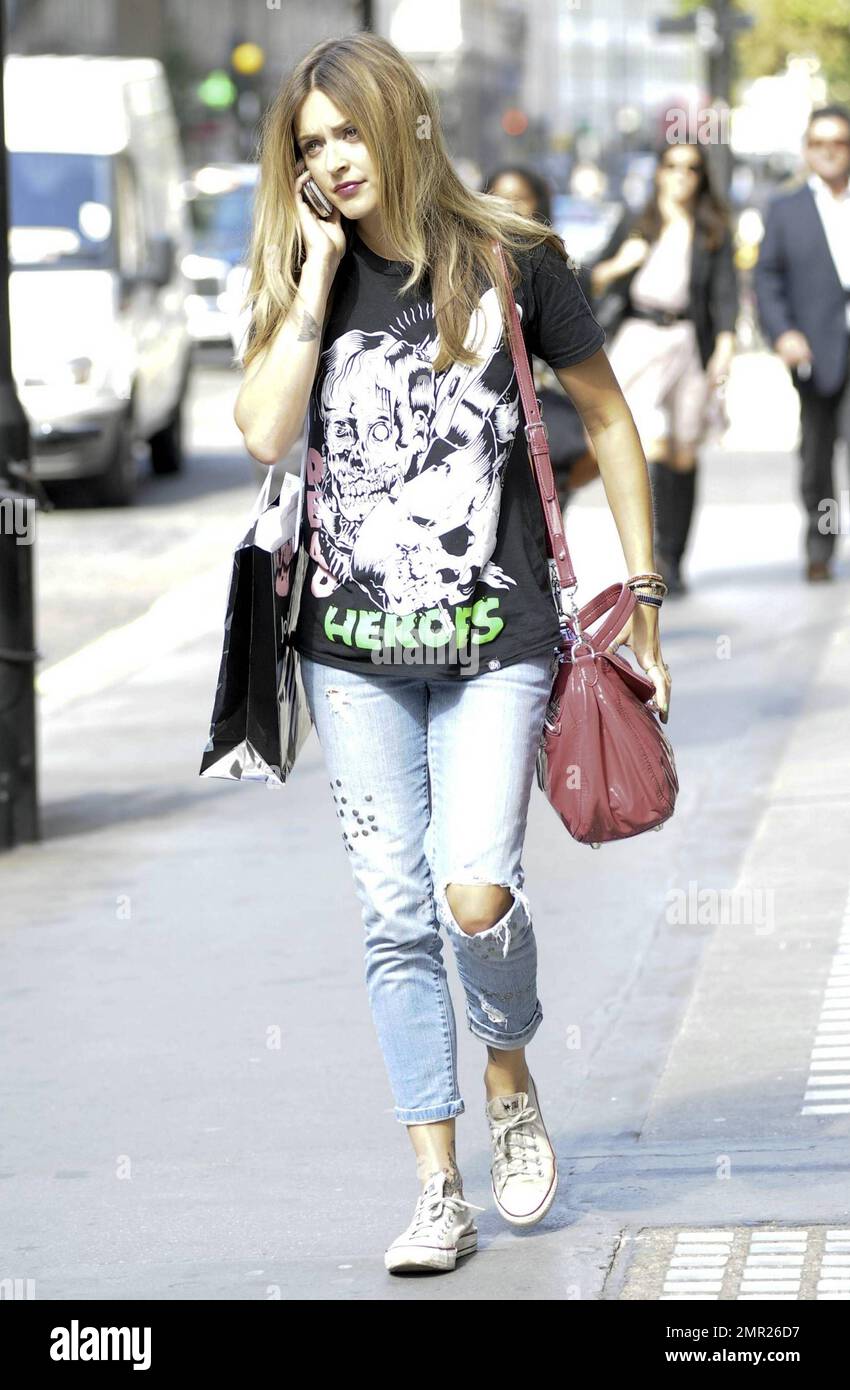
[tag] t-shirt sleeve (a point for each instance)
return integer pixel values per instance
(561, 328)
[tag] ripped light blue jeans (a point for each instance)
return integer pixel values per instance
(431, 781)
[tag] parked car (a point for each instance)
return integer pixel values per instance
(101, 351)
(220, 201)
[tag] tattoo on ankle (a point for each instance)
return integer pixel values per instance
(454, 1181)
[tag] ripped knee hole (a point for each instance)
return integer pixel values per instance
(476, 907)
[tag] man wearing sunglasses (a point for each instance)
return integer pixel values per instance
(802, 285)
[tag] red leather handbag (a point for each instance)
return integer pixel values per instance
(604, 761)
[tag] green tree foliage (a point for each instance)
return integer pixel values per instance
(791, 27)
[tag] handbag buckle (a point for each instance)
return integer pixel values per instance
(569, 607)
(538, 425)
(581, 642)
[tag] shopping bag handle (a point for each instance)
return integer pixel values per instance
(262, 498)
(261, 501)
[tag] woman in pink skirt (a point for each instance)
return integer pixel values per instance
(669, 275)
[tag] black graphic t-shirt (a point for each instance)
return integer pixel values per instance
(424, 531)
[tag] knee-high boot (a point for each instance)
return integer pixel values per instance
(663, 487)
(683, 511)
(673, 496)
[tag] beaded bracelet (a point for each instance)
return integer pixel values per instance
(655, 584)
(642, 597)
(649, 576)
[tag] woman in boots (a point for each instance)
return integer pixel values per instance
(673, 268)
(427, 628)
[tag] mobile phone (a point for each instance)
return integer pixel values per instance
(313, 194)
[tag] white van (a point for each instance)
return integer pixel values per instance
(99, 227)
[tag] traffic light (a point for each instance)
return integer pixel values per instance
(217, 90)
(247, 61)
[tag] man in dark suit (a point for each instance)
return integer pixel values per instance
(802, 285)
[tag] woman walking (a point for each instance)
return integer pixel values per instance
(573, 461)
(672, 266)
(427, 629)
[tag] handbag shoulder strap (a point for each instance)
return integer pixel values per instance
(536, 436)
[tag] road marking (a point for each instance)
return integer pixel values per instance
(738, 1264)
(828, 1086)
(774, 1264)
(697, 1265)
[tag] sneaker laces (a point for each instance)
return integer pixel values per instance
(431, 1206)
(515, 1150)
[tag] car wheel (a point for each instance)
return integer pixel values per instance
(116, 487)
(167, 444)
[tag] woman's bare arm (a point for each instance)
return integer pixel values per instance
(597, 396)
(273, 397)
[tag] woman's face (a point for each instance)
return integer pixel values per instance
(335, 155)
(679, 173)
(516, 190)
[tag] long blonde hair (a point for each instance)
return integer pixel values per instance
(438, 224)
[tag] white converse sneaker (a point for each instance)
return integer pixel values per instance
(524, 1170)
(440, 1232)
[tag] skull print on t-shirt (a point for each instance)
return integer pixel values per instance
(422, 520)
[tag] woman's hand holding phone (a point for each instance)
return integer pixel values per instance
(324, 237)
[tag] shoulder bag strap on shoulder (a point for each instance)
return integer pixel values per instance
(536, 436)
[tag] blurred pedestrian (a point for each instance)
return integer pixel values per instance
(669, 270)
(802, 285)
(570, 449)
(426, 627)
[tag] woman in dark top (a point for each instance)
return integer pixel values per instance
(573, 460)
(427, 629)
(670, 276)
